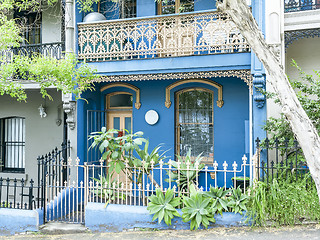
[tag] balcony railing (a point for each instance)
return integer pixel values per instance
(161, 36)
(301, 5)
(54, 50)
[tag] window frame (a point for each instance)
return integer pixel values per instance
(177, 123)
(29, 31)
(123, 4)
(177, 7)
(117, 108)
(4, 142)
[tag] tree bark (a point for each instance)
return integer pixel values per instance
(301, 125)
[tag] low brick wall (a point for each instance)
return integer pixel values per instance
(16, 220)
(116, 218)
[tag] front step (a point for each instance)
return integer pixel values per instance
(62, 228)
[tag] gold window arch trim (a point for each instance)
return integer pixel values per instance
(185, 81)
(137, 104)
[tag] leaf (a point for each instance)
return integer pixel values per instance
(118, 167)
(161, 215)
(138, 141)
(115, 155)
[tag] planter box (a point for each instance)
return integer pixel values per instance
(116, 218)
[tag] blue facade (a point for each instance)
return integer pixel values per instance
(231, 121)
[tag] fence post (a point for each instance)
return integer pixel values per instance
(44, 190)
(31, 194)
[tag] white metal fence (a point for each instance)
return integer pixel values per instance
(65, 201)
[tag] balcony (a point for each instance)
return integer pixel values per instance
(53, 50)
(194, 34)
(301, 5)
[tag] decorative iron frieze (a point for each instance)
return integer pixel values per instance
(300, 5)
(165, 36)
(292, 36)
(244, 75)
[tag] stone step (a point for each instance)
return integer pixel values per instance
(62, 228)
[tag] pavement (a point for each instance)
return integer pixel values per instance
(311, 231)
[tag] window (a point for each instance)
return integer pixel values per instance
(128, 8)
(31, 26)
(194, 123)
(175, 6)
(119, 9)
(12, 144)
(119, 100)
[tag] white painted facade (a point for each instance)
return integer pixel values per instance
(305, 51)
(41, 134)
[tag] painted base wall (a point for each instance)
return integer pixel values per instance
(116, 218)
(17, 221)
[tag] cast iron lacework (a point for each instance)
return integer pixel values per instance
(245, 75)
(164, 36)
(300, 5)
(292, 36)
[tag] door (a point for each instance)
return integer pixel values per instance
(120, 120)
(119, 116)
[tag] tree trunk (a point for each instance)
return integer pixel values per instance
(300, 123)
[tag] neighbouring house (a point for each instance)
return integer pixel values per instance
(32, 128)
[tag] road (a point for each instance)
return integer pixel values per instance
(311, 232)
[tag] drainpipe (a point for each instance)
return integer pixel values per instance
(250, 136)
(69, 105)
(69, 25)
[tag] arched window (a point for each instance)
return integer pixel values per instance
(194, 122)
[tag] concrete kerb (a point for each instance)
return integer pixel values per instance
(18, 220)
(117, 218)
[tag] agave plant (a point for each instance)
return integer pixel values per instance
(163, 206)
(197, 210)
(185, 174)
(238, 201)
(219, 200)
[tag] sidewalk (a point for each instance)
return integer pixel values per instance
(309, 232)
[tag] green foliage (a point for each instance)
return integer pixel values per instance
(307, 88)
(182, 176)
(238, 201)
(197, 209)
(219, 200)
(65, 74)
(118, 151)
(163, 206)
(106, 190)
(86, 5)
(284, 202)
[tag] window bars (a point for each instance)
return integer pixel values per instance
(12, 144)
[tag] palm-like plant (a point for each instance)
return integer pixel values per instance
(186, 170)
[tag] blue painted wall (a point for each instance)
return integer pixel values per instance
(117, 218)
(18, 221)
(229, 121)
(200, 5)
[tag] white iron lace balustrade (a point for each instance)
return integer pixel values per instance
(164, 36)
